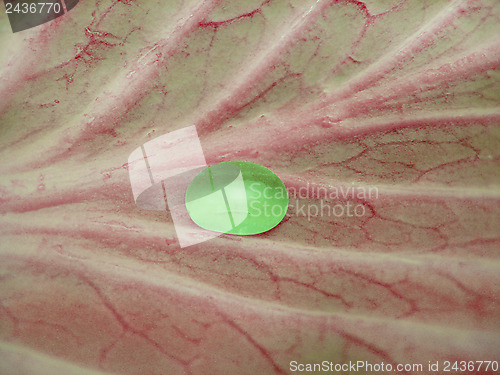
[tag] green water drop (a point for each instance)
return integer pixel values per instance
(237, 197)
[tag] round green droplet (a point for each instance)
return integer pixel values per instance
(237, 197)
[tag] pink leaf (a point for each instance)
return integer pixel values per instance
(392, 107)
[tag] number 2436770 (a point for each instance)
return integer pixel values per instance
(33, 8)
(470, 366)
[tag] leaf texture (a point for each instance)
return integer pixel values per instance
(402, 97)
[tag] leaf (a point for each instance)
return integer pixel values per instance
(388, 108)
